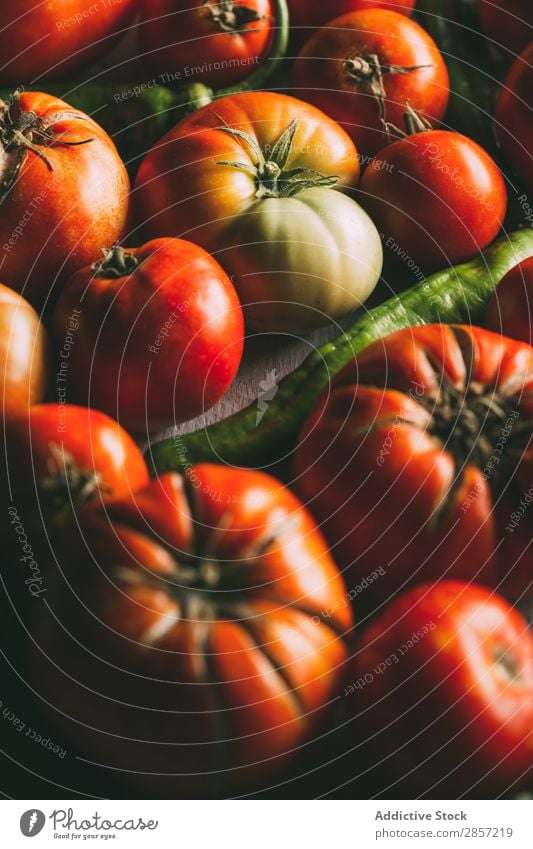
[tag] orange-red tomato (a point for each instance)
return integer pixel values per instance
(513, 120)
(442, 687)
(340, 68)
(24, 355)
(160, 334)
(308, 15)
(217, 43)
(437, 197)
(418, 455)
(510, 310)
(65, 193)
(208, 625)
(48, 40)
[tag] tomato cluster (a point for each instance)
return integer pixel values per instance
(201, 627)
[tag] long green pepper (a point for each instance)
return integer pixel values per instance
(454, 295)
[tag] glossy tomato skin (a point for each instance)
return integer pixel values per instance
(514, 127)
(62, 204)
(436, 195)
(209, 641)
(320, 76)
(510, 309)
(297, 259)
(386, 467)
(448, 654)
(49, 40)
(185, 43)
(508, 23)
(182, 189)
(308, 15)
(157, 345)
(24, 355)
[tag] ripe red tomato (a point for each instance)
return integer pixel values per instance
(49, 40)
(24, 355)
(414, 458)
(160, 337)
(437, 197)
(509, 23)
(211, 633)
(218, 43)
(514, 127)
(70, 454)
(363, 58)
(65, 193)
(510, 309)
(443, 692)
(306, 16)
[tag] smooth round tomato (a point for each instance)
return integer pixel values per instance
(218, 43)
(510, 310)
(211, 631)
(72, 455)
(437, 197)
(508, 23)
(24, 355)
(49, 40)
(443, 692)
(65, 193)
(414, 458)
(252, 179)
(514, 126)
(160, 333)
(363, 67)
(306, 16)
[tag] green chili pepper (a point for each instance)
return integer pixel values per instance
(458, 294)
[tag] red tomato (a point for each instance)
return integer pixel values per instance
(514, 125)
(405, 461)
(306, 16)
(437, 197)
(218, 43)
(160, 337)
(64, 451)
(363, 58)
(509, 23)
(48, 40)
(24, 355)
(65, 193)
(214, 630)
(510, 309)
(443, 692)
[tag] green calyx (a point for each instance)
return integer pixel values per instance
(272, 178)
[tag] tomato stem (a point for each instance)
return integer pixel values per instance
(230, 17)
(117, 262)
(414, 123)
(67, 484)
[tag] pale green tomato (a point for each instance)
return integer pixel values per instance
(299, 261)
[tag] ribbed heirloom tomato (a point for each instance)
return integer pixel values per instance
(418, 455)
(160, 334)
(442, 694)
(48, 40)
(218, 43)
(251, 178)
(364, 66)
(199, 643)
(64, 193)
